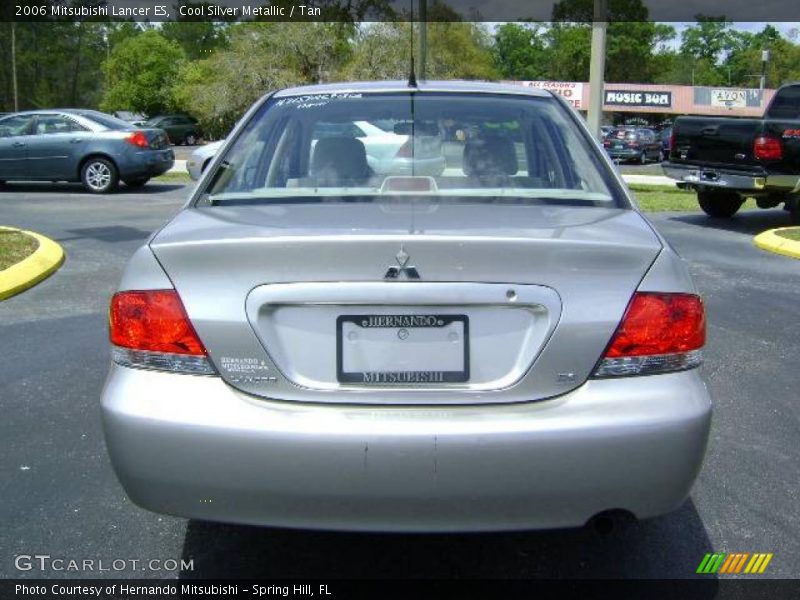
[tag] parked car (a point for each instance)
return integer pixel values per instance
(310, 343)
(201, 158)
(80, 145)
(388, 152)
(135, 119)
(633, 144)
(729, 159)
(181, 129)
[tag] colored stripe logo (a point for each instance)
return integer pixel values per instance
(732, 563)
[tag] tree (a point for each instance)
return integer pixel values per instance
(706, 40)
(140, 73)
(520, 51)
(218, 90)
(456, 50)
(633, 41)
(56, 64)
(315, 51)
(197, 38)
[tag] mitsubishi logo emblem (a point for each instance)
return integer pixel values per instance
(404, 270)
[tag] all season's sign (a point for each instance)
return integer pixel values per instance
(571, 90)
(660, 99)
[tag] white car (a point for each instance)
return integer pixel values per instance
(201, 158)
(391, 153)
(388, 153)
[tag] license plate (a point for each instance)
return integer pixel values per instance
(410, 349)
(617, 145)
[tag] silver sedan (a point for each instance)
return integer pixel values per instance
(313, 343)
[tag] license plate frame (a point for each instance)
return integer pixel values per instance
(402, 378)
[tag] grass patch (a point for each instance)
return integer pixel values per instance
(14, 247)
(790, 234)
(668, 198)
(652, 169)
(173, 178)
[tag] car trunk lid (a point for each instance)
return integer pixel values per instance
(274, 290)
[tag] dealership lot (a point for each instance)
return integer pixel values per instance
(61, 497)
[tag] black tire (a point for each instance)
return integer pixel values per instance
(719, 204)
(643, 158)
(137, 183)
(99, 175)
(190, 139)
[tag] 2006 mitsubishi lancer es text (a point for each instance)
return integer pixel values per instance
(312, 343)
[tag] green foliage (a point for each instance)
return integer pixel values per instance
(218, 90)
(216, 70)
(197, 38)
(520, 51)
(456, 50)
(632, 41)
(708, 39)
(57, 64)
(140, 73)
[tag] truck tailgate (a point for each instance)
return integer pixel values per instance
(715, 142)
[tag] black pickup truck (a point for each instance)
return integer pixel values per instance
(729, 159)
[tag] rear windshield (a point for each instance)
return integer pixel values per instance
(105, 120)
(786, 104)
(348, 147)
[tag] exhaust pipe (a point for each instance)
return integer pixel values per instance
(609, 521)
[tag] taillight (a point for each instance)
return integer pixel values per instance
(606, 143)
(407, 149)
(138, 139)
(672, 139)
(767, 148)
(660, 332)
(150, 329)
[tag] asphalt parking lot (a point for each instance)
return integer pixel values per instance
(61, 498)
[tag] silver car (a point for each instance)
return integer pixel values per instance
(309, 343)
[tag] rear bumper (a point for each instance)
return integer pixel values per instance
(628, 153)
(193, 446)
(150, 163)
(720, 178)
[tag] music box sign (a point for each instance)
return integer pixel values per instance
(656, 99)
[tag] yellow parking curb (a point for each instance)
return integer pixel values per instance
(47, 258)
(772, 242)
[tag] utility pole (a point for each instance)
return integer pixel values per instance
(423, 39)
(597, 66)
(14, 64)
(764, 61)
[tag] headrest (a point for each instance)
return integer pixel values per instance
(339, 161)
(489, 156)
